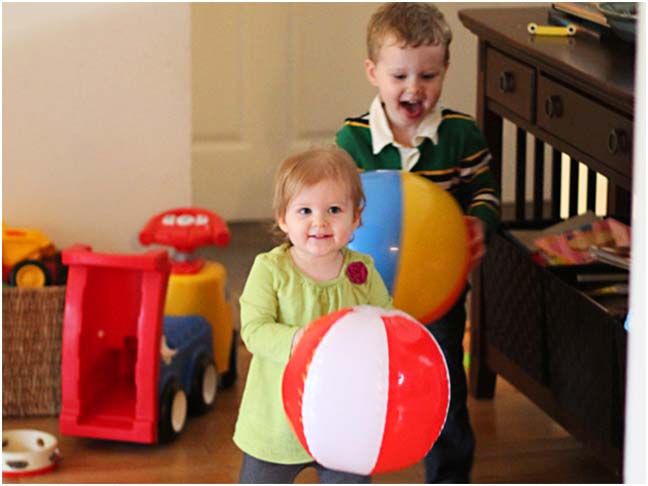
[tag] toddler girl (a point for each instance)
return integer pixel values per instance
(318, 200)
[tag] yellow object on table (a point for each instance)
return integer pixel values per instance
(553, 30)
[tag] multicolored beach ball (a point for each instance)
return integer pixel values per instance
(366, 390)
(416, 233)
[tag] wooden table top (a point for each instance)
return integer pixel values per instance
(606, 65)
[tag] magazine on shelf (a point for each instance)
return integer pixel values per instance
(582, 240)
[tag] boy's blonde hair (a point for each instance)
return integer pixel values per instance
(312, 166)
(411, 24)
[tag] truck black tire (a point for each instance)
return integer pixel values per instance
(204, 385)
(173, 411)
(30, 273)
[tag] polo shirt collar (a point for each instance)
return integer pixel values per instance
(381, 134)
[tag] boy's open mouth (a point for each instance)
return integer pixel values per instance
(413, 108)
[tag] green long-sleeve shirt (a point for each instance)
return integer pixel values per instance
(459, 161)
(277, 300)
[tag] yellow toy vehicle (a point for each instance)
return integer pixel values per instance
(29, 258)
(196, 286)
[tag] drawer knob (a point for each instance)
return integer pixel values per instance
(553, 106)
(617, 141)
(506, 82)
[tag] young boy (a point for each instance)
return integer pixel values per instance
(407, 129)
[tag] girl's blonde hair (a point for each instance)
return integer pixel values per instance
(311, 167)
(411, 25)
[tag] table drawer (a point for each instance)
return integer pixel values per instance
(582, 122)
(510, 83)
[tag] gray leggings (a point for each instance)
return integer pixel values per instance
(256, 471)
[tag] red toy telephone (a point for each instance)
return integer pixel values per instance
(186, 229)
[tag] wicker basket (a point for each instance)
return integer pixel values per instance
(31, 351)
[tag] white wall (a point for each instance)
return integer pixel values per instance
(635, 468)
(95, 118)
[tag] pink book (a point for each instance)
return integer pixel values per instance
(572, 246)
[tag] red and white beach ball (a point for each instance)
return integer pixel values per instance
(366, 390)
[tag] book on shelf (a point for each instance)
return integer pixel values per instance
(586, 239)
(583, 10)
(586, 27)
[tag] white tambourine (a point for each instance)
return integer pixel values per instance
(27, 452)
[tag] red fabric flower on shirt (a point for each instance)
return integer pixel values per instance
(357, 272)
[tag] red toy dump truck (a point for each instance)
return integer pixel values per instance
(128, 373)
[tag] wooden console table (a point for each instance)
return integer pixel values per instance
(575, 94)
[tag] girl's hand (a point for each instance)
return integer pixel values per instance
(296, 338)
(475, 241)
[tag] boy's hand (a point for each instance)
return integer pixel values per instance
(475, 241)
(296, 338)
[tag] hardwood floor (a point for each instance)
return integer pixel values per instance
(516, 441)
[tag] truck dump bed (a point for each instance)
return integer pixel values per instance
(111, 344)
